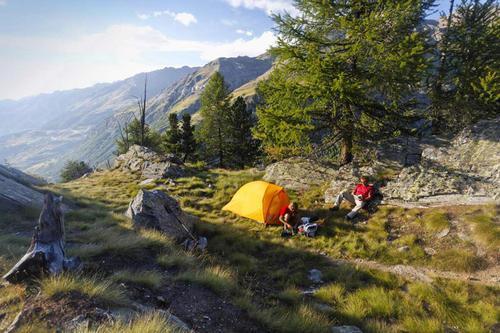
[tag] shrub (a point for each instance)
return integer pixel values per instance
(73, 170)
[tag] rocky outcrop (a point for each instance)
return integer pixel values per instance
(463, 170)
(16, 189)
(298, 174)
(143, 160)
(158, 210)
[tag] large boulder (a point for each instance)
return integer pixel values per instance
(158, 210)
(298, 174)
(346, 178)
(16, 189)
(150, 164)
(463, 170)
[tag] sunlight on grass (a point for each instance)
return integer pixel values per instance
(152, 322)
(219, 279)
(93, 287)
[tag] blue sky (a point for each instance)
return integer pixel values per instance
(62, 44)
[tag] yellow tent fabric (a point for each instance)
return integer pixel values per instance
(259, 201)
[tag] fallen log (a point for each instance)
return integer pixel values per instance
(46, 253)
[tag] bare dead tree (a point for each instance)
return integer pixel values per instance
(142, 109)
(46, 253)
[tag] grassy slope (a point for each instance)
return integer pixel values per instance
(261, 272)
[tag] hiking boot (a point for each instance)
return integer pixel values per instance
(334, 208)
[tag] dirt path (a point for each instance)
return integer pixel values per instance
(490, 277)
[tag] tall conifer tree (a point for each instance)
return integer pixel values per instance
(212, 131)
(188, 142)
(345, 69)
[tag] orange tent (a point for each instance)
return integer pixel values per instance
(260, 201)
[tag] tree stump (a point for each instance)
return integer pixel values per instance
(46, 253)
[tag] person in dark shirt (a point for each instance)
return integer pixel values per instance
(362, 193)
(289, 216)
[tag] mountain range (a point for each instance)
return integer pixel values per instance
(39, 134)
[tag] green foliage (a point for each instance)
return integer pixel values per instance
(188, 141)
(171, 142)
(345, 71)
(73, 170)
(212, 132)
(466, 87)
(243, 147)
(132, 136)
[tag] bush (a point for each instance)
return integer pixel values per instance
(73, 170)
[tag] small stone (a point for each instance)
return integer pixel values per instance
(147, 182)
(405, 248)
(315, 276)
(346, 329)
(443, 233)
(429, 251)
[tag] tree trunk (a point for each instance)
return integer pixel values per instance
(46, 252)
(346, 149)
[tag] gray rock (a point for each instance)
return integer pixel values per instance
(191, 245)
(346, 329)
(443, 233)
(346, 178)
(143, 160)
(404, 248)
(16, 189)
(315, 276)
(157, 210)
(298, 174)
(465, 170)
(429, 251)
(147, 182)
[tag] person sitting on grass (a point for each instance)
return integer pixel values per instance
(288, 216)
(362, 193)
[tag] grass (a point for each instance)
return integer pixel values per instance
(152, 322)
(102, 290)
(219, 279)
(265, 274)
(150, 279)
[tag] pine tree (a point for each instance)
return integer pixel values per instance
(172, 138)
(243, 146)
(466, 87)
(212, 132)
(188, 142)
(345, 69)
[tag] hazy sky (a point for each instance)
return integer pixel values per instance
(48, 45)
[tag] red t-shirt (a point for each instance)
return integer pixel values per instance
(285, 210)
(366, 191)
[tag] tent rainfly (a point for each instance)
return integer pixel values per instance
(258, 200)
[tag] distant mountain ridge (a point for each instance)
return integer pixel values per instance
(42, 132)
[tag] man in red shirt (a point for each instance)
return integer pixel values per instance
(288, 216)
(361, 194)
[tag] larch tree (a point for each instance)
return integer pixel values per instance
(187, 139)
(212, 131)
(242, 145)
(466, 87)
(172, 137)
(346, 71)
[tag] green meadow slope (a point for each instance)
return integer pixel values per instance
(252, 274)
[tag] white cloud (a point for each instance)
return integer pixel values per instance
(244, 32)
(183, 18)
(115, 53)
(269, 6)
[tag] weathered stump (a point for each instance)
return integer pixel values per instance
(46, 253)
